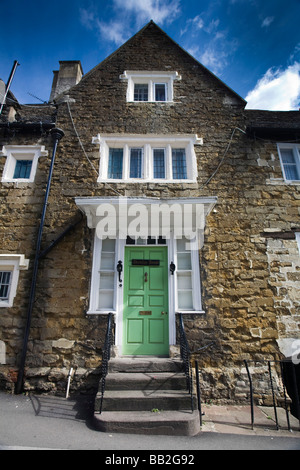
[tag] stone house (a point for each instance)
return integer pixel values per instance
(162, 172)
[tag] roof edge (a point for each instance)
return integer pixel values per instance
(151, 22)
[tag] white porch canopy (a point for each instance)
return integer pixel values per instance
(118, 217)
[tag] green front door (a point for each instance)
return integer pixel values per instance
(145, 313)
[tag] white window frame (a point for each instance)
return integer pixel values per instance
(297, 234)
(296, 152)
(151, 79)
(195, 277)
(147, 143)
(12, 263)
(13, 153)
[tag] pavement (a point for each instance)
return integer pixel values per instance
(46, 422)
(235, 419)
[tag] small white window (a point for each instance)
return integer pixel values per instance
(107, 275)
(10, 266)
(290, 161)
(21, 162)
(187, 276)
(145, 86)
(102, 298)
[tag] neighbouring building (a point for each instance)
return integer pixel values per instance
(163, 174)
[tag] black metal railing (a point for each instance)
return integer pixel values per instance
(186, 356)
(289, 394)
(106, 356)
(289, 382)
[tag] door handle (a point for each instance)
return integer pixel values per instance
(146, 277)
(164, 313)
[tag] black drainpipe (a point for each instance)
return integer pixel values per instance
(57, 134)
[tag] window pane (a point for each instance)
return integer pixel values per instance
(184, 281)
(291, 172)
(108, 245)
(183, 244)
(5, 277)
(185, 300)
(184, 260)
(141, 92)
(107, 261)
(115, 164)
(23, 169)
(179, 164)
(160, 92)
(289, 164)
(135, 163)
(159, 163)
(287, 156)
(106, 299)
(107, 281)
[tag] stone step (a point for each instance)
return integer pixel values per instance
(144, 400)
(146, 381)
(145, 364)
(176, 423)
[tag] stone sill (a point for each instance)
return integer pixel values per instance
(275, 181)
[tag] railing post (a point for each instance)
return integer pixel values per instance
(185, 356)
(105, 357)
(294, 377)
(251, 394)
(285, 399)
(198, 392)
(273, 395)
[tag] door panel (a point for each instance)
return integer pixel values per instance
(145, 312)
(156, 330)
(135, 331)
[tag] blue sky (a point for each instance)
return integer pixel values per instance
(251, 45)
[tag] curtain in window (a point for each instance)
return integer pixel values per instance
(159, 163)
(160, 92)
(289, 164)
(5, 277)
(135, 163)
(179, 164)
(115, 164)
(141, 92)
(23, 169)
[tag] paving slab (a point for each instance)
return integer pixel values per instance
(235, 419)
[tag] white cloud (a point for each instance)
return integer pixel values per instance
(112, 31)
(160, 11)
(267, 21)
(277, 90)
(127, 15)
(87, 18)
(212, 60)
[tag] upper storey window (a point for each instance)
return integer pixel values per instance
(150, 86)
(137, 158)
(21, 162)
(290, 161)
